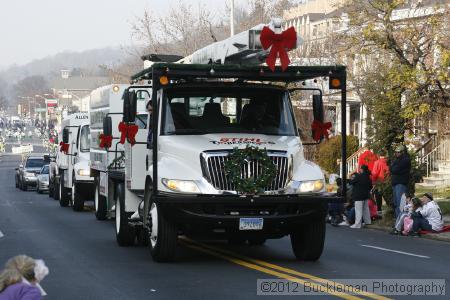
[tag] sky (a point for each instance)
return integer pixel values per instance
(33, 29)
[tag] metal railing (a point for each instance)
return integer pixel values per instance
(352, 160)
(431, 160)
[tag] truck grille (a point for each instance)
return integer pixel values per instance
(214, 171)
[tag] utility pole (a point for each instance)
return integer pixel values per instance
(232, 18)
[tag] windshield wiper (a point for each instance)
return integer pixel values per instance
(186, 131)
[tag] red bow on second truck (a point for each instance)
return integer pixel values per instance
(64, 147)
(281, 43)
(128, 131)
(105, 141)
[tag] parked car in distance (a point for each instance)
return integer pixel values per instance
(28, 170)
(42, 180)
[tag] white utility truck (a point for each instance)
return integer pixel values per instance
(107, 102)
(73, 180)
(224, 158)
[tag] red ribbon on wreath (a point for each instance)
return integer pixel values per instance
(320, 130)
(105, 141)
(280, 42)
(128, 131)
(64, 147)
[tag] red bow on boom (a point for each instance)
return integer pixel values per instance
(105, 141)
(320, 130)
(64, 147)
(280, 42)
(128, 131)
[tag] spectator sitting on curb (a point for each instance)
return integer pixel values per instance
(412, 204)
(428, 217)
(336, 209)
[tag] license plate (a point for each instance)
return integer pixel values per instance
(251, 223)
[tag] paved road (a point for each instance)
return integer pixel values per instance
(86, 263)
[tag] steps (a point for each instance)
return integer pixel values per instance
(438, 179)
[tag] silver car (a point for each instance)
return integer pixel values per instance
(42, 180)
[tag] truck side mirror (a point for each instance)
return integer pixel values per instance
(133, 107)
(107, 126)
(317, 103)
(65, 135)
(129, 106)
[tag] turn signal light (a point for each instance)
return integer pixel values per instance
(163, 80)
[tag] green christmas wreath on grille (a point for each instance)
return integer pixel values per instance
(251, 185)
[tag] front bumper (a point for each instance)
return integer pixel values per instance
(221, 214)
(28, 180)
(43, 186)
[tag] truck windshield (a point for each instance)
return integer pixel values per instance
(85, 142)
(193, 111)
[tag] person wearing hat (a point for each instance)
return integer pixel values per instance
(360, 195)
(428, 217)
(399, 168)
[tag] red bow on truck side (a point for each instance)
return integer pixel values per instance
(64, 147)
(105, 141)
(281, 43)
(320, 130)
(128, 131)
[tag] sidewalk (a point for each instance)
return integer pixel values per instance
(444, 236)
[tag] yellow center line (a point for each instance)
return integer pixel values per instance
(269, 271)
(285, 270)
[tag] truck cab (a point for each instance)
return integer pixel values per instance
(75, 184)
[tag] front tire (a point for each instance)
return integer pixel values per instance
(125, 234)
(308, 241)
(100, 202)
(77, 198)
(163, 234)
(63, 194)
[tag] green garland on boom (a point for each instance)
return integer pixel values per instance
(236, 161)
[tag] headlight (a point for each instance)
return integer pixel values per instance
(182, 186)
(84, 172)
(312, 186)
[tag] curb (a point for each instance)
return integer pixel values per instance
(431, 236)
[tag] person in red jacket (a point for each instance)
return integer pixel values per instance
(379, 173)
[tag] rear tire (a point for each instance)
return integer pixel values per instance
(56, 189)
(163, 234)
(101, 210)
(308, 241)
(63, 193)
(77, 198)
(125, 234)
(50, 190)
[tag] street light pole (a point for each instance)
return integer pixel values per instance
(232, 18)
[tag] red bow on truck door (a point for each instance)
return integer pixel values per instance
(64, 147)
(105, 141)
(128, 131)
(280, 42)
(320, 130)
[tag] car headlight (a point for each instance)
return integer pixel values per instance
(310, 186)
(84, 172)
(182, 186)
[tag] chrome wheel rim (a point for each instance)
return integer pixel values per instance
(154, 225)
